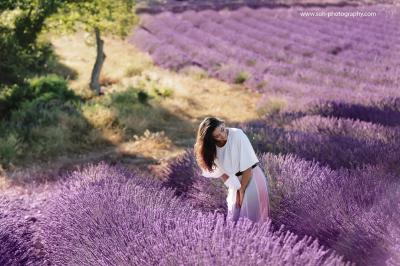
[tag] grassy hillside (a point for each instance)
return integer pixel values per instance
(120, 125)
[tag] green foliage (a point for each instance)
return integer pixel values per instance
(20, 25)
(32, 114)
(35, 104)
(18, 62)
(163, 92)
(51, 87)
(12, 96)
(31, 20)
(157, 89)
(41, 112)
(241, 77)
(41, 130)
(42, 92)
(7, 4)
(30, 134)
(143, 97)
(9, 148)
(126, 110)
(115, 17)
(124, 99)
(97, 17)
(22, 21)
(51, 140)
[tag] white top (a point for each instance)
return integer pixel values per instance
(236, 155)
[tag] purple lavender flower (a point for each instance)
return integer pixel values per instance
(103, 215)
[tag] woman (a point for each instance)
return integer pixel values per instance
(226, 153)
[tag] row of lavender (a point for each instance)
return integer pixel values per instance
(154, 6)
(105, 215)
(334, 133)
(281, 51)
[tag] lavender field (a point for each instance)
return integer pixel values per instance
(331, 154)
(282, 52)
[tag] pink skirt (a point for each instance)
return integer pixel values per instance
(255, 205)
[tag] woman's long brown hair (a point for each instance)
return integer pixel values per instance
(205, 147)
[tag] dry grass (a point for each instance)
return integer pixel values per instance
(271, 104)
(151, 144)
(75, 53)
(194, 97)
(4, 181)
(98, 115)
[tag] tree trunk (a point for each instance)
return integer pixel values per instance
(100, 57)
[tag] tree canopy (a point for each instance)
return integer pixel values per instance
(115, 17)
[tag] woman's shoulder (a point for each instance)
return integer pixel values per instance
(236, 131)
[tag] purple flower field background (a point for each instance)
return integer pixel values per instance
(331, 155)
(281, 53)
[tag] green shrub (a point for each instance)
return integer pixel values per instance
(46, 91)
(241, 77)
(163, 92)
(12, 96)
(143, 97)
(50, 141)
(19, 62)
(9, 148)
(40, 104)
(128, 97)
(52, 87)
(32, 114)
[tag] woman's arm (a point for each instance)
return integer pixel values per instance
(243, 184)
(245, 179)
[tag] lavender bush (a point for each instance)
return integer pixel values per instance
(18, 242)
(348, 211)
(353, 211)
(394, 242)
(183, 175)
(106, 217)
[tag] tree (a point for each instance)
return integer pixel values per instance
(96, 17)
(21, 21)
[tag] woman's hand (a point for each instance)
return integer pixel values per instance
(238, 203)
(241, 196)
